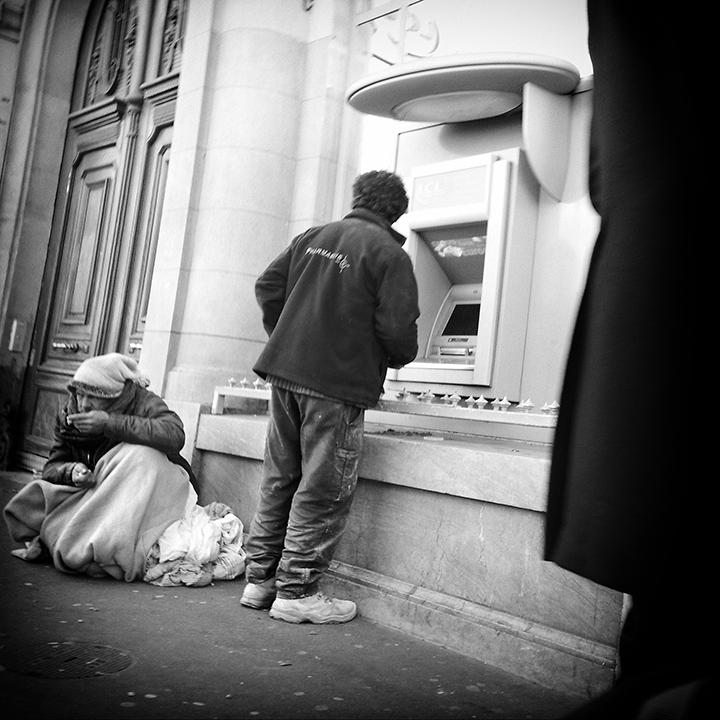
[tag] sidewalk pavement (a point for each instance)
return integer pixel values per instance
(77, 647)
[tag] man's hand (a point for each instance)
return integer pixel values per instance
(82, 476)
(92, 422)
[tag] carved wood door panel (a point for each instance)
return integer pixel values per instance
(83, 272)
(137, 297)
(78, 281)
(101, 253)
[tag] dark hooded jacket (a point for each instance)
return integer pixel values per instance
(340, 305)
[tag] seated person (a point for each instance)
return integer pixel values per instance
(109, 403)
(116, 497)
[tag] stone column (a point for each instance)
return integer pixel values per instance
(229, 193)
(263, 147)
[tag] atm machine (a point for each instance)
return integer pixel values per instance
(472, 226)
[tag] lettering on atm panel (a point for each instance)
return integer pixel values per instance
(449, 189)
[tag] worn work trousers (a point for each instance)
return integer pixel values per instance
(310, 471)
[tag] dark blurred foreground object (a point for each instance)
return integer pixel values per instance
(629, 504)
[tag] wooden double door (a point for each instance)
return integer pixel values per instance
(101, 253)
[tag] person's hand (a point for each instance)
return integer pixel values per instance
(82, 476)
(92, 422)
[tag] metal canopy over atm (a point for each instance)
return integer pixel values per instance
(473, 225)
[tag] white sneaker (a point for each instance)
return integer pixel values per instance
(316, 609)
(259, 596)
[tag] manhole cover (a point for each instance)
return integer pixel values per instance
(67, 660)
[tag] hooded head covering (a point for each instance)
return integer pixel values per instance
(105, 375)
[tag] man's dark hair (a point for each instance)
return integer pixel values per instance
(381, 192)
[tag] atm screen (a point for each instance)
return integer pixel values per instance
(463, 320)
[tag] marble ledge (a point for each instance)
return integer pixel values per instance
(500, 471)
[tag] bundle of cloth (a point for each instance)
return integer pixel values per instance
(205, 545)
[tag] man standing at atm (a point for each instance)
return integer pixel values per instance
(340, 306)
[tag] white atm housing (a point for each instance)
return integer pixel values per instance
(472, 241)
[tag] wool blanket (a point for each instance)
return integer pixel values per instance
(110, 528)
